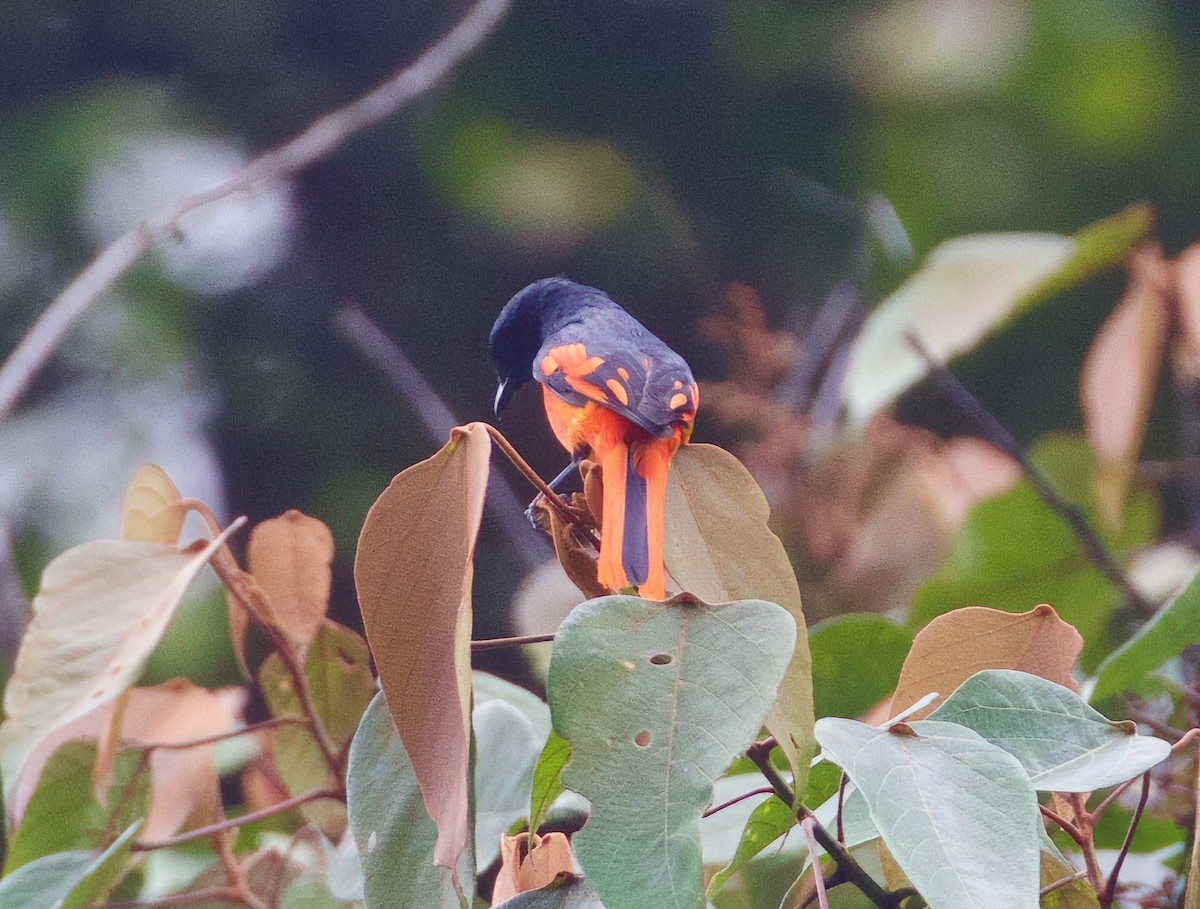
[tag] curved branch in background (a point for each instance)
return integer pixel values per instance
(317, 140)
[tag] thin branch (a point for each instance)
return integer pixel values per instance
(1067, 827)
(519, 641)
(249, 729)
(322, 136)
(387, 357)
(203, 833)
(729, 803)
(1110, 890)
(188, 898)
(1060, 883)
(997, 433)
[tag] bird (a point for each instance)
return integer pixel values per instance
(614, 393)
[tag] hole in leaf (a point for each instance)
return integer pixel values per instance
(660, 659)
(642, 739)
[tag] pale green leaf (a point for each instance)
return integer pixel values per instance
(101, 609)
(719, 547)
(957, 813)
(1063, 744)
(657, 700)
(392, 828)
(66, 880)
(966, 290)
(575, 893)
(506, 750)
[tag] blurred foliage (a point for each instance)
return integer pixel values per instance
(657, 150)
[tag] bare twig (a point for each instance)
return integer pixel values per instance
(322, 136)
(203, 833)
(1067, 827)
(205, 896)
(383, 353)
(1109, 895)
(997, 433)
(729, 803)
(519, 641)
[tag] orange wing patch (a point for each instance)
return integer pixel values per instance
(619, 391)
(587, 389)
(677, 401)
(573, 360)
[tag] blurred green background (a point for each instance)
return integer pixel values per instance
(659, 149)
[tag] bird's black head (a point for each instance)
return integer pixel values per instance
(526, 321)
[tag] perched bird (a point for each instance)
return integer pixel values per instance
(614, 393)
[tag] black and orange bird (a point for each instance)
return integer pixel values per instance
(614, 393)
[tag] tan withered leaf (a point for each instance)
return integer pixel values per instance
(101, 610)
(183, 781)
(413, 571)
(519, 873)
(955, 646)
(577, 558)
(1119, 376)
(290, 558)
(152, 512)
(719, 547)
(1187, 293)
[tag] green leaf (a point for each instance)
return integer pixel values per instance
(719, 547)
(506, 750)
(1013, 552)
(767, 823)
(63, 813)
(338, 667)
(576, 893)
(957, 813)
(656, 701)
(966, 290)
(1172, 628)
(873, 645)
(392, 828)
(547, 778)
(1063, 744)
(66, 880)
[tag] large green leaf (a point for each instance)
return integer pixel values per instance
(576, 893)
(1175, 626)
(391, 826)
(1063, 744)
(1013, 552)
(966, 290)
(873, 645)
(66, 880)
(957, 813)
(656, 701)
(719, 547)
(63, 814)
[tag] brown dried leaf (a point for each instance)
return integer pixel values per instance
(955, 646)
(578, 559)
(183, 781)
(290, 558)
(152, 511)
(519, 873)
(1119, 376)
(413, 572)
(1187, 294)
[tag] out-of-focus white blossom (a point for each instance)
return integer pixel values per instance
(222, 246)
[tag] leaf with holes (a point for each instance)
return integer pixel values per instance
(1063, 744)
(392, 828)
(958, 814)
(718, 546)
(656, 700)
(413, 573)
(101, 610)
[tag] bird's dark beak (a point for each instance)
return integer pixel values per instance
(502, 395)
